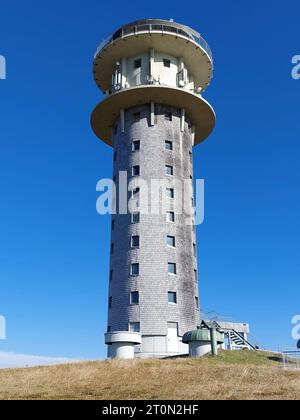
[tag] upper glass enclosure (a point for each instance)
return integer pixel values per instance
(156, 26)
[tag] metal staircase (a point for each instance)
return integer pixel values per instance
(236, 341)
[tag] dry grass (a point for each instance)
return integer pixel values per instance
(234, 375)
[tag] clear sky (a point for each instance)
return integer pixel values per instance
(54, 248)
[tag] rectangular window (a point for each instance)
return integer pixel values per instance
(136, 170)
(136, 194)
(135, 218)
(191, 157)
(138, 63)
(116, 128)
(136, 146)
(169, 145)
(135, 270)
(134, 327)
(196, 276)
(197, 302)
(194, 250)
(170, 193)
(115, 156)
(135, 242)
(172, 297)
(171, 241)
(136, 116)
(172, 269)
(110, 303)
(168, 116)
(134, 298)
(171, 216)
(167, 63)
(109, 329)
(169, 170)
(115, 179)
(111, 275)
(112, 248)
(113, 225)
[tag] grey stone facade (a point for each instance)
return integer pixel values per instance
(153, 283)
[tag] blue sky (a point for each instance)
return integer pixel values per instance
(54, 248)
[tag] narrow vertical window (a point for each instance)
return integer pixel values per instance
(194, 250)
(136, 116)
(168, 145)
(170, 193)
(136, 170)
(134, 327)
(138, 63)
(135, 269)
(171, 242)
(196, 276)
(134, 298)
(135, 217)
(136, 145)
(136, 194)
(168, 116)
(171, 217)
(169, 170)
(172, 297)
(135, 242)
(172, 269)
(110, 303)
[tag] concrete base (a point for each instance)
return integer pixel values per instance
(121, 345)
(159, 347)
(199, 348)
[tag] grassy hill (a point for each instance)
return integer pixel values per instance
(233, 375)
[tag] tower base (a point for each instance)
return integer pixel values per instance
(121, 345)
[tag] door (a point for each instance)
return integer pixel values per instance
(172, 338)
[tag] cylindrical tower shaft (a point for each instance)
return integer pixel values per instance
(153, 283)
(153, 73)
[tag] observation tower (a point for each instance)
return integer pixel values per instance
(153, 73)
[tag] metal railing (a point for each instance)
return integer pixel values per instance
(291, 359)
(154, 28)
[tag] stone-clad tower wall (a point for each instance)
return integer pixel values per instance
(153, 74)
(153, 312)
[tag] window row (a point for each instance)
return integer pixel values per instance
(136, 117)
(136, 218)
(170, 242)
(135, 271)
(135, 299)
(137, 64)
(136, 171)
(136, 146)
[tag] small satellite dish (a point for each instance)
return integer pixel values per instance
(181, 83)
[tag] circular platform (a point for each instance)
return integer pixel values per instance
(199, 111)
(163, 36)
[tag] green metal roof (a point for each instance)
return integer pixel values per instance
(201, 335)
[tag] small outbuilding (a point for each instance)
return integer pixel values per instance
(203, 341)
